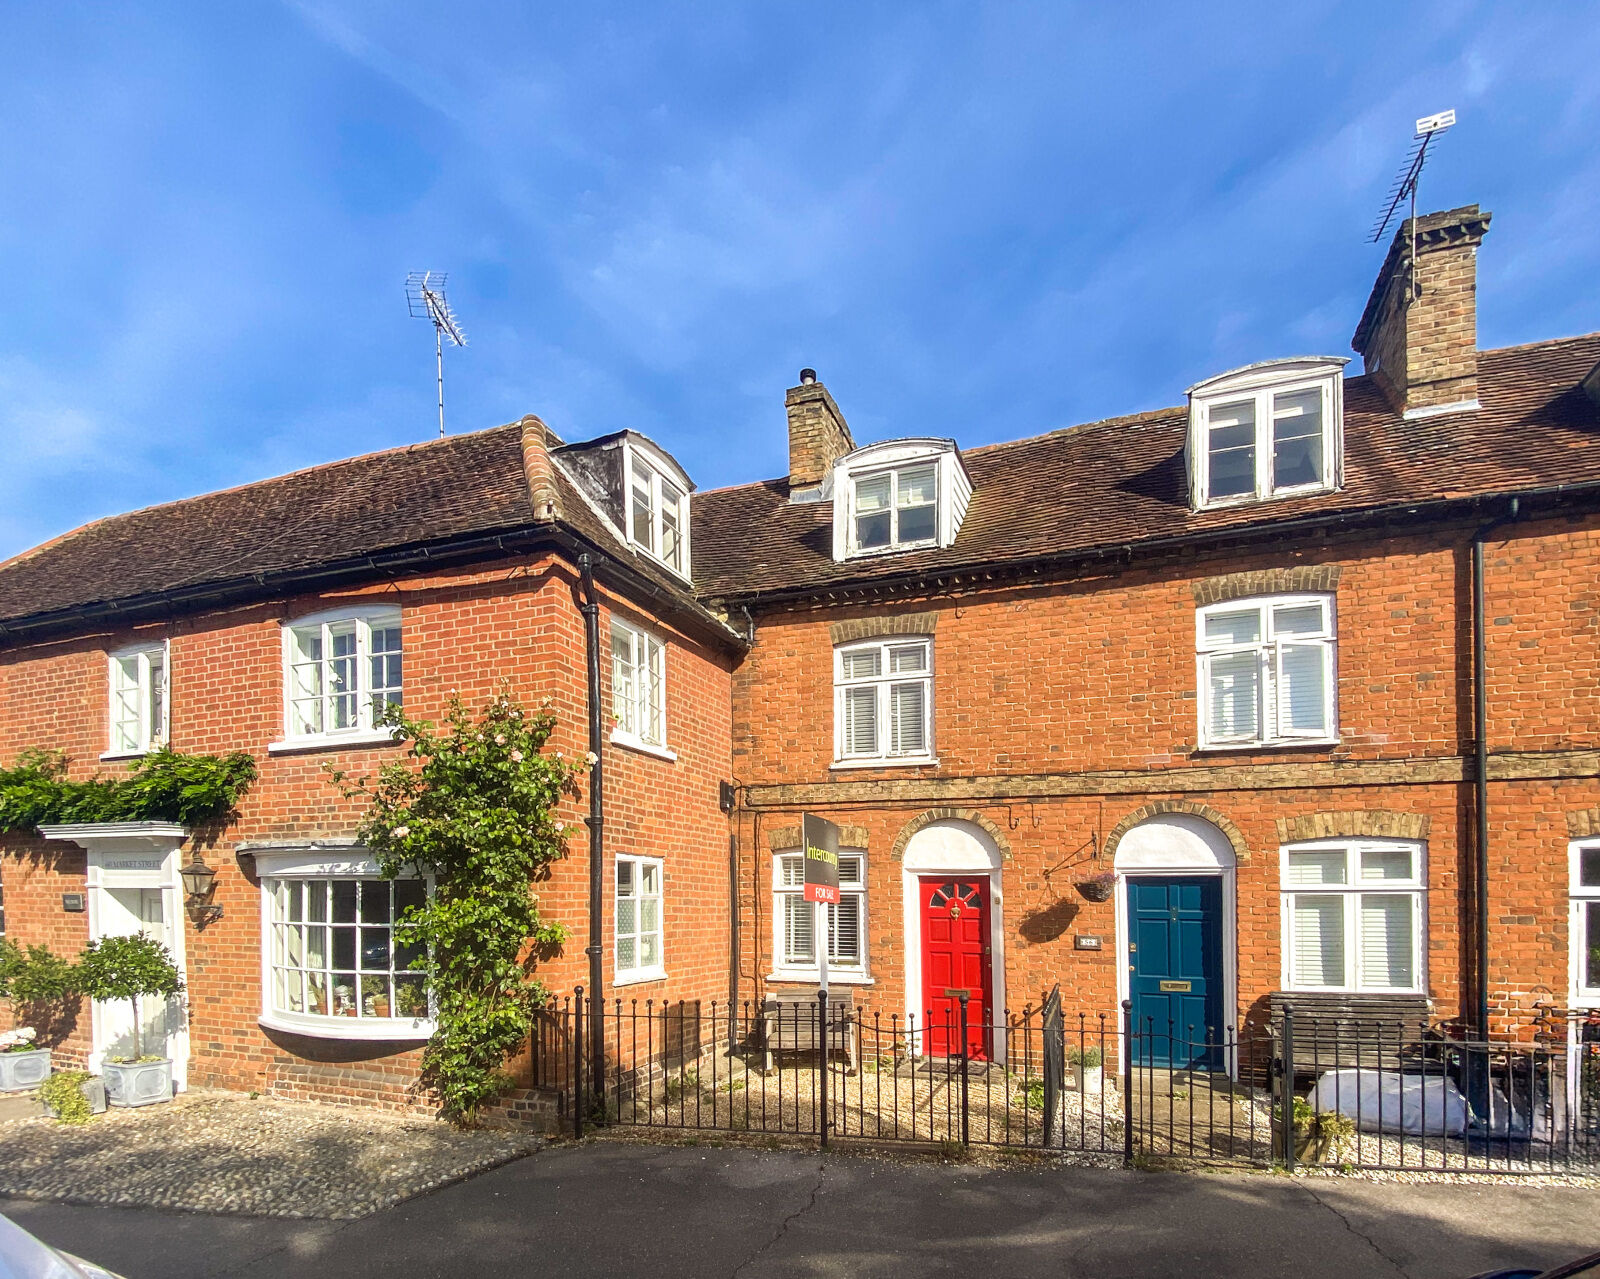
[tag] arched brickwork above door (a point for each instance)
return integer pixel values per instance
(1372, 823)
(1241, 850)
(922, 820)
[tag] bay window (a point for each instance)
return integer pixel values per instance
(1266, 671)
(794, 919)
(1353, 916)
(883, 702)
(333, 963)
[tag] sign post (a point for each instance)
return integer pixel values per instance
(821, 840)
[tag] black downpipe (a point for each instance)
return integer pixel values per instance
(1480, 772)
(597, 826)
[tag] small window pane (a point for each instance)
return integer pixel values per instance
(624, 878)
(650, 876)
(798, 917)
(1298, 619)
(849, 870)
(1317, 957)
(862, 663)
(908, 657)
(1232, 449)
(861, 721)
(794, 871)
(1386, 864)
(344, 901)
(1589, 867)
(1591, 942)
(626, 952)
(1240, 627)
(1386, 942)
(1297, 438)
(872, 512)
(917, 486)
(907, 726)
(1235, 680)
(1302, 697)
(627, 915)
(1320, 867)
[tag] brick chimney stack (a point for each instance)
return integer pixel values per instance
(1418, 336)
(818, 436)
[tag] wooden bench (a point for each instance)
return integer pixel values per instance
(789, 1024)
(1340, 1030)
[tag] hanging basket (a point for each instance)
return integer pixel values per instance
(1097, 888)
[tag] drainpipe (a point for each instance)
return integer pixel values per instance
(1480, 739)
(597, 823)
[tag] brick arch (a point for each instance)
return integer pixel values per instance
(1372, 822)
(926, 819)
(1583, 823)
(1161, 807)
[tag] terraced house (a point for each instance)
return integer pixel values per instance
(1291, 691)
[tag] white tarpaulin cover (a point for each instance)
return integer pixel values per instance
(1417, 1105)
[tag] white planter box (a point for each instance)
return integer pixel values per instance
(140, 1084)
(21, 1071)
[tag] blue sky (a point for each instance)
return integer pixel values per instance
(975, 221)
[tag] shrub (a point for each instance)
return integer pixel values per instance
(63, 1093)
(164, 786)
(42, 988)
(128, 968)
(1088, 1058)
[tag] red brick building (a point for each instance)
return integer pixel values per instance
(1305, 670)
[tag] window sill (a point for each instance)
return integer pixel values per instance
(639, 978)
(878, 552)
(1252, 499)
(367, 737)
(812, 977)
(110, 757)
(632, 743)
(370, 1029)
(1275, 744)
(1354, 992)
(903, 761)
(656, 559)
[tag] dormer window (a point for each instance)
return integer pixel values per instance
(901, 495)
(1267, 430)
(657, 506)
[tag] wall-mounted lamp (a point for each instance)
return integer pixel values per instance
(199, 883)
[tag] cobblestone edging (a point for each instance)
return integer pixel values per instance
(224, 1153)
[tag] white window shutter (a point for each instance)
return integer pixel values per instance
(861, 721)
(844, 922)
(907, 716)
(1316, 932)
(1304, 671)
(1233, 684)
(1387, 942)
(798, 916)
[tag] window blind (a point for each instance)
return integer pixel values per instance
(1316, 940)
(1386, 942)
(906, 718)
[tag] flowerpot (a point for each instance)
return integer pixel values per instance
(1088, 1079)
(22, 1071)
(1093, 890)
(140, 1083)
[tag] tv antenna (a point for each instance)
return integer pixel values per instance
(1405, 186)
(425, 297)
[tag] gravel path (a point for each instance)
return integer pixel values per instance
(220, 1152)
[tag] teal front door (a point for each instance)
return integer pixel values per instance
(1175, 977)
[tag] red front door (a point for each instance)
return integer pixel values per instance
(955, 958)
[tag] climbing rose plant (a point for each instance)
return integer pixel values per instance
(472, 806)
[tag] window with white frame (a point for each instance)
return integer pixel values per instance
(1269, 430)
(1266, 671)
(333, 957)
(639, 941)
(638, 686)
(657, 511)
(1353, 917)
(138, 699)
(340, 671)
(794, 918)
(895, 509)
(1586, 920)
(883, 701)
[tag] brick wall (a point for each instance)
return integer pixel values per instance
(515, 623)
(1061, 711)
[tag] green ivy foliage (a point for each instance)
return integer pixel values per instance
(473, 807)
(128, 968)
(165, 786)
(63, 1093)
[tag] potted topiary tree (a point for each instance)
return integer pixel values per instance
(43, 991)
(130, 968)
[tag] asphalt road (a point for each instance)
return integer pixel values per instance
(623, 1210)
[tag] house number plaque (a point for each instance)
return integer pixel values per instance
(72, 903)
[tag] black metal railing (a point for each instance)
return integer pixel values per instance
(1293, 1091)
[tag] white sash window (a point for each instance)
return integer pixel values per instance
(883, 701)
(639, 927)
(340, 671)
(638, 687)
(1266, 671)
(139, 699)
(794, 918)
(1353, 917)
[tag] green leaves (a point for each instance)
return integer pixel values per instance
(126, 968)
(473, 809)
(164, 786)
